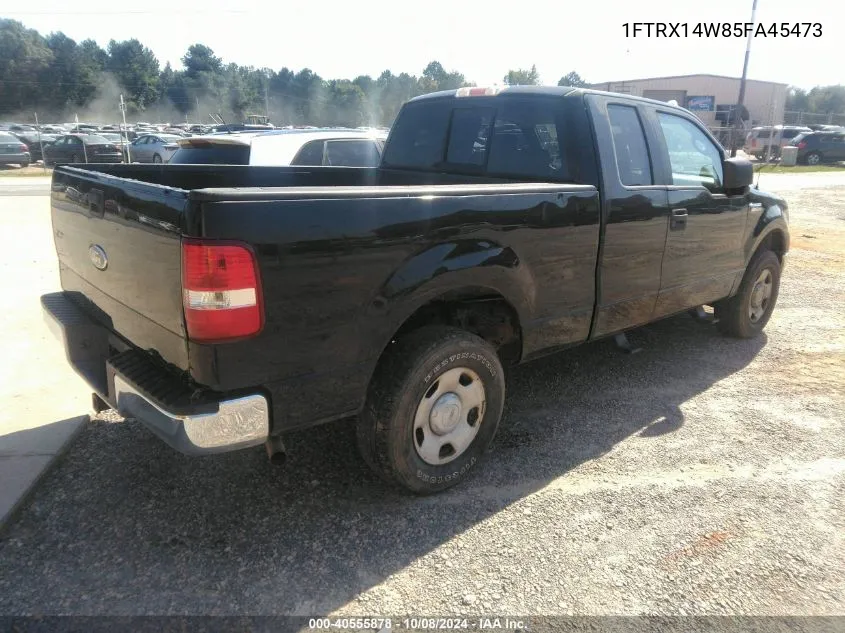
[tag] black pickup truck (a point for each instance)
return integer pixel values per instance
(225, 305)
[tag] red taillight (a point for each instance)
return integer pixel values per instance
(753, 142)
(24, 148)
(221, 291)
(802, 144)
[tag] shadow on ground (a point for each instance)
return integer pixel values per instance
(126, 526)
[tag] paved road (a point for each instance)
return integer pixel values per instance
(29, 186)
(704, 475)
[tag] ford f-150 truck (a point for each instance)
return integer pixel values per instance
(223, 306)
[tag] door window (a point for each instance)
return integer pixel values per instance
(694, 158)
(629, 145)
(311, 154)
(352, 153)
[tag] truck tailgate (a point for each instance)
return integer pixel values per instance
(119, 247)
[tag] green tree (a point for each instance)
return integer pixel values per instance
(522, 77)
(572, 79)
(346, 104)
(24, 56)
(136, 69)
(201, 59)
(827, 99)
(435, 78)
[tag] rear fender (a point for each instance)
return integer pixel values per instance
(448, 268)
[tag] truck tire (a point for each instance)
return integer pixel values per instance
(432, 410)
(746, 313)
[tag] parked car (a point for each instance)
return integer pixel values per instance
(275, 298)
(329, 147)
(820, 147)
(13, 151)
(34, 142)
(153, 148)
(118, 138)
(759, 139)
(826, 128)
(81, 148)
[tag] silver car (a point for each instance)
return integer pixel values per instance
(153, 148)
(12, 150)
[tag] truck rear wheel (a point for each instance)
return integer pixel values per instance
(746, 313)
(432, 409)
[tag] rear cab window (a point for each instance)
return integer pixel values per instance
(506, 136)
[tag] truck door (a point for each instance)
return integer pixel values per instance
(704, 255)
(635, 217)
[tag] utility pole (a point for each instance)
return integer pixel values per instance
(267, 98)
(41, 143)
(125, 131)
(739, 105)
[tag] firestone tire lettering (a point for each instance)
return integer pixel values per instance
(454, 357)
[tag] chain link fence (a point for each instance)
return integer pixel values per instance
(812, 118)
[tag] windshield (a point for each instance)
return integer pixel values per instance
(114, 138)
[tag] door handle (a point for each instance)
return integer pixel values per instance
(678, 221)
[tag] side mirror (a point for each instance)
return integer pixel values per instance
(738, 173)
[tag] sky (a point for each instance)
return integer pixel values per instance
(483, 40)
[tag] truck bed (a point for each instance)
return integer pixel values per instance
(345, 256)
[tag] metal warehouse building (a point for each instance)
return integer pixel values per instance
(711, 97)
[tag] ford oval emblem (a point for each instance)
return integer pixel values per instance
(98, 257)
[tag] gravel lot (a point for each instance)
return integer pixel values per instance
(702, 476)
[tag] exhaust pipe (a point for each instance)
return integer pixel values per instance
(276, 450)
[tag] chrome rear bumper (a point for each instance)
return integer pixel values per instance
(132, 384)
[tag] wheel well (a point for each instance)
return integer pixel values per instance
(775, 242)
(482, 312)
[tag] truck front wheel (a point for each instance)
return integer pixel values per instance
(746, 313)
(432, 409)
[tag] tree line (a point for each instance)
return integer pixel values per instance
(58, 77)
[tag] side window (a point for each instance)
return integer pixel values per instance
(468, 136)
(629, 146)
(352, 153)
(525, 140)
(692, 155)
(311, 154)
